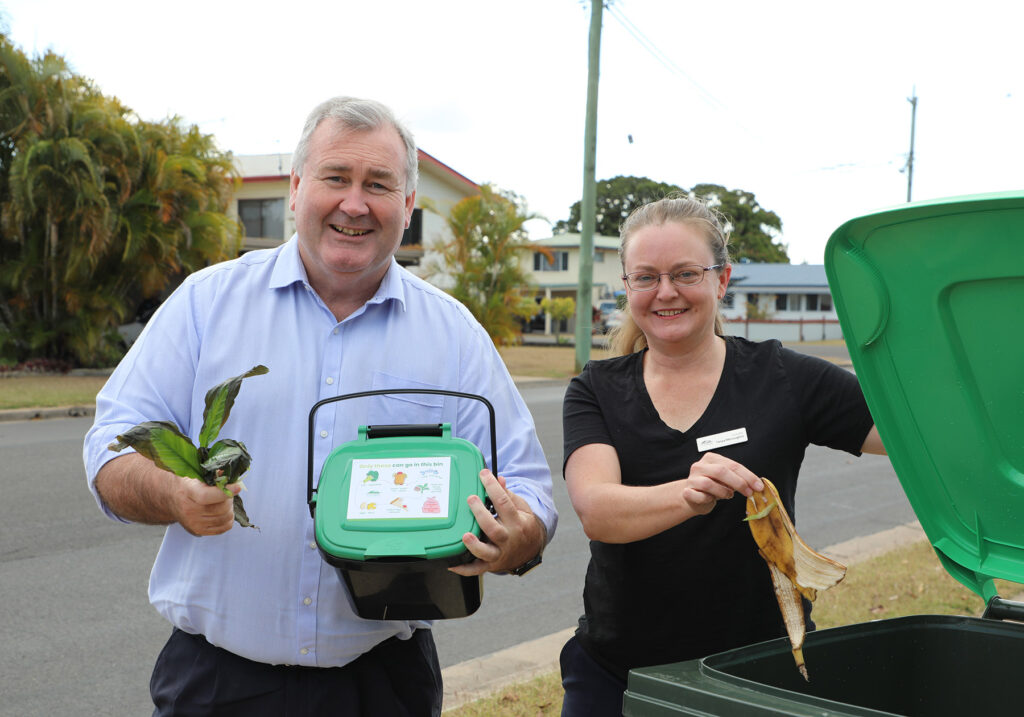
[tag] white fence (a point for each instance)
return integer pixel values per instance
(785, 329)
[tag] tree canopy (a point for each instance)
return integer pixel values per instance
(753, 229)
(98, 210)
(481, 261)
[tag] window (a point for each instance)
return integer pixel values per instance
(561, 262)
(783, 303)
(729, 300)
(818, 302)
(599, 257)
(413, 236)
(262, 217)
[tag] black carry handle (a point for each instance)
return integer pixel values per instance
(429, 429)
(405, 429)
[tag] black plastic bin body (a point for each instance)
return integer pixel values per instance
(409, 589)
(919, 666)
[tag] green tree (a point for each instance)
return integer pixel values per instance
(98, 210)
(481, 261)
(616, 198)
(559, 309)
(753, 229)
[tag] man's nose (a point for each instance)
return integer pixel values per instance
(353, 201)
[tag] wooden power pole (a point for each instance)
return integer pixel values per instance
(588, 207)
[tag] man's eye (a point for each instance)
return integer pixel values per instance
(686, 274)
(644, 278)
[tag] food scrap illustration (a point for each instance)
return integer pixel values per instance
(397, 503)
(371, 476)
(368, 506)
(796, 569)
(430, 505)
(422, 488)
(399, 477)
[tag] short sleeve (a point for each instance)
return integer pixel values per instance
(832, 403)
(582, 419)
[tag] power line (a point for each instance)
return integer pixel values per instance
(661, 57)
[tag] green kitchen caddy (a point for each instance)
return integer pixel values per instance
(390, 510)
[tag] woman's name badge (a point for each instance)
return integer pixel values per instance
(720, 440)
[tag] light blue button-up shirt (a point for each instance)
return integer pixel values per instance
(267, 594)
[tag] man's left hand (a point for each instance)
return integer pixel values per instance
(514, 534)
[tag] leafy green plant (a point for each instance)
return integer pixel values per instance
(218, 465)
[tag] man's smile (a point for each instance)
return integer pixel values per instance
(350, 232)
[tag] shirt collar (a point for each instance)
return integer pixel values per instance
(289, 269)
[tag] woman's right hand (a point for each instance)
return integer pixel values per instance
(714, 478)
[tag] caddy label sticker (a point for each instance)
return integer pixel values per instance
(384, 488)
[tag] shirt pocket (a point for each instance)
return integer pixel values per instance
(403, 408)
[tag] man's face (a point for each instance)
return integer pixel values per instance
(350, 205)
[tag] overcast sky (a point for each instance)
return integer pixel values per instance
(805, 104)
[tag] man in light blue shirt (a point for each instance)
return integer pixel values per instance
(329, 312)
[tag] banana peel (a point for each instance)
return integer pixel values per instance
(797, 570)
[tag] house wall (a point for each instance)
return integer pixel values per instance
(564, 282)
(277, 188)
(798, 306)
(821, 329)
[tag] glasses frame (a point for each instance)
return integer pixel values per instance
(671, 276)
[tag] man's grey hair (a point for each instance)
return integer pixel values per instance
(361, 115)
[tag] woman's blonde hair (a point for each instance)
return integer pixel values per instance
(627, 338)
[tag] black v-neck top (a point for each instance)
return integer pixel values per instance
(700, 587)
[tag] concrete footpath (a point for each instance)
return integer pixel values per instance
(482, 677)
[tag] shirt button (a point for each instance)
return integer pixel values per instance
(323, 434)
(335, 332)
(330, 380)
(307, 601)
(312, 545)
(304, 651)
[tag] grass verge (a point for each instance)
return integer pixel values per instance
(555, 362)
(49, 391)
(906, 581)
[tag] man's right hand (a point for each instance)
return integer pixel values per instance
(136, 490)
(202, 509)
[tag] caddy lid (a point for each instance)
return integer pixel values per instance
(930, 296)
(400, 496)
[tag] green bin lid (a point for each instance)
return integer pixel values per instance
(398, 497)
(930, 297)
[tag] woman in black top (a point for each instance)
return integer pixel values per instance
(662, 445)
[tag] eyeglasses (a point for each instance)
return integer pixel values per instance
(684, 276)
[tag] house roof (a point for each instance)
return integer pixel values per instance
(568, 240)
(749, 276)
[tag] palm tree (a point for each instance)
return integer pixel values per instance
(98, 210)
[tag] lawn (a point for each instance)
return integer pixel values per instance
(555, 362)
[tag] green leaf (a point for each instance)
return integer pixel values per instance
(219, 401)
(228, 456)
(163, 443)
